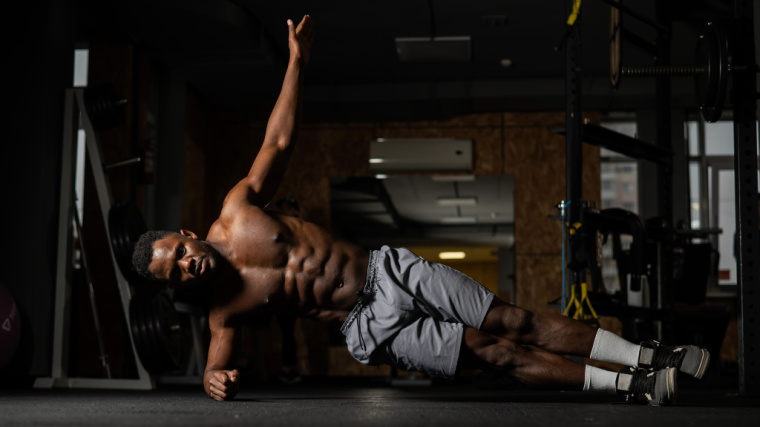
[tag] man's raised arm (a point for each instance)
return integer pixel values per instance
(265, 175)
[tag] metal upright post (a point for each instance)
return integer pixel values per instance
(664, 188)
(574, 141)
(744, 95)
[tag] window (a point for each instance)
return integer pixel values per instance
(619, 190)
(712, 197)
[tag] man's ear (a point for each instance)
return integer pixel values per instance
(188, 233)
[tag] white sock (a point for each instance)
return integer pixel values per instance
(609, 347)
(599, 380)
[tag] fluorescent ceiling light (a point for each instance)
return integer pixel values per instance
(452, 255)
(376, 160)
(457, 201)
(381, 176)
(459, 220)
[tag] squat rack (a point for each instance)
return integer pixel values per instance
(744, 100)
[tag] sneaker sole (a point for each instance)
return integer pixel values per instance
(703, 364)
(671, 385)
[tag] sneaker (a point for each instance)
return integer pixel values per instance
(688, 359)
(288, 377)
(657, 388)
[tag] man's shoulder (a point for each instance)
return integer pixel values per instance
(233, 217)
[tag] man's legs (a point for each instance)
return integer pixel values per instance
(540, 369)
(565, 336)
(557, 334)
(535, 368)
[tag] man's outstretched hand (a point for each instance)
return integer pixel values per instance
(223, 385)
(300, 38)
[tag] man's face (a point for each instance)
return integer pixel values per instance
(183, 261)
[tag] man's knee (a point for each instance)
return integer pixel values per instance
(523, 321)
(509, 320)
(495, 352)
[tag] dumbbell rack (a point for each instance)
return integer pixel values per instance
(74, 112)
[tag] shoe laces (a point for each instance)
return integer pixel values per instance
(668, 357)
(642, 386)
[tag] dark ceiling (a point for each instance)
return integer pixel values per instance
(232, 53)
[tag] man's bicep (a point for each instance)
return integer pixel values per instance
(266, 174)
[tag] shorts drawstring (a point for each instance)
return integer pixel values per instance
(362, 344)
(365, 296)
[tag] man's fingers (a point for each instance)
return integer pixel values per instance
(217, 394)
(305, 24)
(304, 27)
(290, 26)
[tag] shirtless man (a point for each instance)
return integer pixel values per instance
(396, 308)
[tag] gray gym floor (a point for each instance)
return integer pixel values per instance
(331, 402)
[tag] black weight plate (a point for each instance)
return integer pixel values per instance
(170, 327)
(710, 86)
(145, 351)
(156, 332)
(154, 336)
(126, 225)
(114, 229)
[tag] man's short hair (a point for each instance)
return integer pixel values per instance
(143, 253)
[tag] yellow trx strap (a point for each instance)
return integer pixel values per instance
(578, 304)
(572, 229)
(574, 15)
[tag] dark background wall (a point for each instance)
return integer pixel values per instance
(39, 66)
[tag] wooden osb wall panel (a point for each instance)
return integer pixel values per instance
(539, 280)
(536, 159)
(197, 137)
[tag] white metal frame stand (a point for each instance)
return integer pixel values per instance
(75, 108)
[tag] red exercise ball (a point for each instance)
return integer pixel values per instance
(10, 327)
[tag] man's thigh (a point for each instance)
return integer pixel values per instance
(426, 345)
(438, 291)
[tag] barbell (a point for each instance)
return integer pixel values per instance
(710, 71)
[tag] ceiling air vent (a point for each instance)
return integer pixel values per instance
(416, 49)
(420, 155)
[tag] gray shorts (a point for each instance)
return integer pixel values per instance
(412, 313)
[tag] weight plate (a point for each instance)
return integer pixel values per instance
(156, 331)
(126, 225)
(153, 335)
(139, 333)
(170, 327)
(710, 85)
